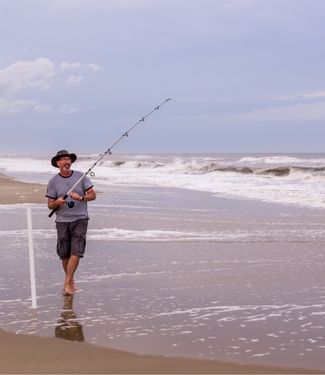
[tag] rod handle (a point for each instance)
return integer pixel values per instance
(56, 208)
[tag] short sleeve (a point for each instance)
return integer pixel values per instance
(51, 191)
(87, 184)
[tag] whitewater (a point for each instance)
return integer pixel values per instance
(290, 179)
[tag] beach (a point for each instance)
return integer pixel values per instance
(191, 283)
(15, 192)
(30, 354)
(38, 355)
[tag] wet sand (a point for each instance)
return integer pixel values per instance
(31, 354)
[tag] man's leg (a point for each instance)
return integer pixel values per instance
(78, 230)
(64, 248)
(65, 262)
(70, 266)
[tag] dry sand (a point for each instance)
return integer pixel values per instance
(13, 191)
(29, 354)
(34, 355)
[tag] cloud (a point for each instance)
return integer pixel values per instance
(68, 109)
(68, 65)
(40, 73)
(27, 74)
(80, 69)
(94, 67)
(73, 80)
(306, 96)
(65, 65)
(98, 5)
(14, 106)
(291, 113)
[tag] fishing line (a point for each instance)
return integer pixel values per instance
(71, 204)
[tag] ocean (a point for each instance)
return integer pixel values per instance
(293, 179)
(217, 256)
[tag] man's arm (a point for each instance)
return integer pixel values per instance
(54, 203)
(90, 195)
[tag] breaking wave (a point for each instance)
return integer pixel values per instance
(295, 179)
(205, 167)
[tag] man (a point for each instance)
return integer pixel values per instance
(71, 214)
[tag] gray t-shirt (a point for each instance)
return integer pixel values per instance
(59, 185)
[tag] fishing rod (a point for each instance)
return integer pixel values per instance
(71, 204)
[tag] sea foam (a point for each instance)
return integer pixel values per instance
(286, 179)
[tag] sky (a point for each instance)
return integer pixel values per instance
(243, 75)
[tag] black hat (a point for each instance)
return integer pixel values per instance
(61, 154)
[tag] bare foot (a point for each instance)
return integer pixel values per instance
(68, 291)
(73, 286)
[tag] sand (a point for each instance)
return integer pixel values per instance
(13, 191)
(31, 354)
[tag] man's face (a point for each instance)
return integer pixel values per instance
(64, 163)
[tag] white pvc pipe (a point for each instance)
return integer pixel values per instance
(31, 256)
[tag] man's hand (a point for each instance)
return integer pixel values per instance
(60, 201)
(76, 196)
(54, 203)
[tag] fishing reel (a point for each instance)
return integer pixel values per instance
(70, 204)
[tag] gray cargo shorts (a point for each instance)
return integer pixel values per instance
(71, 238)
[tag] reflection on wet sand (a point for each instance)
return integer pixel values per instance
(68, 328)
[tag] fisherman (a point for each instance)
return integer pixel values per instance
(71, 214)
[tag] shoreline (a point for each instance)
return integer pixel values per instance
(27, 354)
(14, 191)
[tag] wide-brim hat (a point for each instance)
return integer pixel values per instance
(61, 154)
